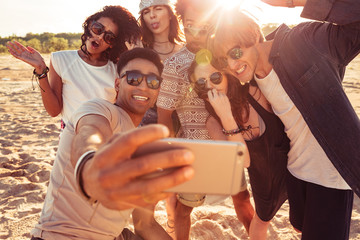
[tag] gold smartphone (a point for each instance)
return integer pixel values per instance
(218, 165)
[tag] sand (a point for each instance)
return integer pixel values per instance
(28, 143)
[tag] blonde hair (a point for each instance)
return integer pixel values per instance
(234, 26)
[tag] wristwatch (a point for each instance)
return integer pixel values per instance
(290, 3)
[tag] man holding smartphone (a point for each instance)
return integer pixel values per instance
(95, 182)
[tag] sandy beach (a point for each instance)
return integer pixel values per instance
(28, 144)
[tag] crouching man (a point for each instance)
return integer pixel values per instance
(94, 184)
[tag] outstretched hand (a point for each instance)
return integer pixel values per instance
(113, 177)
(27, 54)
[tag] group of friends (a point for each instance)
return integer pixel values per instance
(133, 82)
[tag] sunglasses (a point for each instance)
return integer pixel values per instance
(98, 29)
(195, 31)
(235, 53)
(134, 78)
(200, 84)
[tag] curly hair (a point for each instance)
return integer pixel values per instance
(128, 30)
(175, 34)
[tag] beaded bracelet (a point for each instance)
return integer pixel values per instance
(232, 132)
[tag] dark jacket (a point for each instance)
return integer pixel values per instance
(310, 60)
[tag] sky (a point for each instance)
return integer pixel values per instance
(18, 17)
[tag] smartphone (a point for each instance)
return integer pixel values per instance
(218, 165)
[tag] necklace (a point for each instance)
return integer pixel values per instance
(167, 52)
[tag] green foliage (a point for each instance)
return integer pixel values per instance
(45, 42)
(55, 44)
(3, 49)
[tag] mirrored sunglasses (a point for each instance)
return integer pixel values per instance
(134, 78)
(235, 53)
(196, 31)
(98, 29)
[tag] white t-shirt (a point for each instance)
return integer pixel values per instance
(306, 159)
(66, 214)
(82, 81)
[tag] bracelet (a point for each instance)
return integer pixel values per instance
(78, 174)
(41, 75)
(232, 132)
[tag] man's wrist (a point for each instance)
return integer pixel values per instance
(78, 174)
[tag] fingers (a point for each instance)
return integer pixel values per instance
(121, 146)
(153, 187)
(16, 47)
(31, 50)
(129, 45)
(137, 167)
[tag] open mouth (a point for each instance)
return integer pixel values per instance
(95, 44)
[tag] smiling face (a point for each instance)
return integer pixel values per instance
(136, 100)
(157, 19)
(95, 44)
(241, 62)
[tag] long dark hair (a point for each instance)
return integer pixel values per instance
(175, 34)
(237, 94)
(128, 30)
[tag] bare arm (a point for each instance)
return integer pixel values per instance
(164, 117)
(112, 176)
(221, 105)
(146, 226)
(283, 3)
(51, 86)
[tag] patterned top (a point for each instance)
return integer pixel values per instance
(177, 94)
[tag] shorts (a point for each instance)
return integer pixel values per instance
(319, 212)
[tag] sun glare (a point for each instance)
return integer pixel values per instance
(263, 12)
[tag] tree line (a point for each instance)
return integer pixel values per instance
(45, 42)
(49, 42)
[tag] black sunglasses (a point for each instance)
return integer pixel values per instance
(134, 78)
(215, 78)
(195, 31)
(98, 29)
